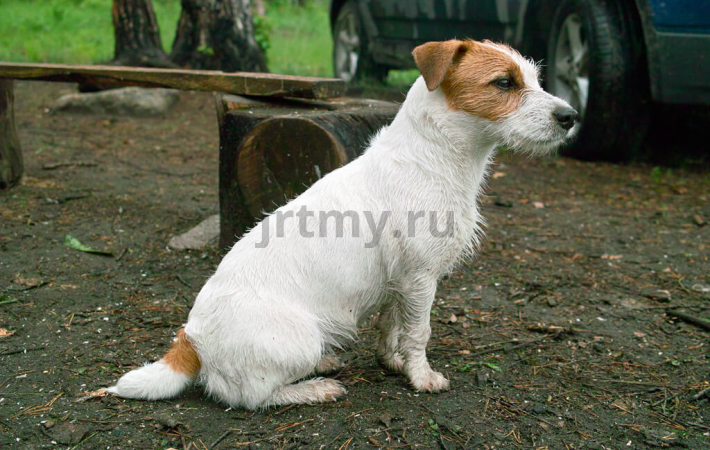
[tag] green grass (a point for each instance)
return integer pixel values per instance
(300, 41)
(81, 32)
(68, 31)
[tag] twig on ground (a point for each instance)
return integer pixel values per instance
(516, 409)
(687, 318)
(12, 300)
(702, 394)
(52, 166)
(29, 288)
(222, 437)
(500, 347)
(23, 350)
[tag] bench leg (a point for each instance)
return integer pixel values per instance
(11, 167)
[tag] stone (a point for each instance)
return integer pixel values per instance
(70, 433)
(130, 101)
(204, 233)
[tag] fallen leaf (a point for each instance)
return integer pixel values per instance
(611, 257)
(639, 334)
(498, 175)
(74, 243)
(538, 205)
(28, 282)
(5, 333)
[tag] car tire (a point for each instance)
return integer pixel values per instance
(596, 46)
(351, 59)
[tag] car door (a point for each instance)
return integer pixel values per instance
(432, 20)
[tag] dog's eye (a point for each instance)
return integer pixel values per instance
(504, 83)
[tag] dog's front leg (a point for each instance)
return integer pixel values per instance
(416, 329)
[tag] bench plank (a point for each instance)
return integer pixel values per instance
(241, 83)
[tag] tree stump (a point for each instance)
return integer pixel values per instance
(10, 153)
(270, 152)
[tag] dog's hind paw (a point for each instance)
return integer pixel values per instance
(329, 364)
(430, 382)
(331, 390)
(317, 390)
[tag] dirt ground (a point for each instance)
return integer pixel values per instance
(558, 336)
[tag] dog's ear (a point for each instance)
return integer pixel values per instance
(434, 59)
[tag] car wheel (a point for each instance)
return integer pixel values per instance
(596, 61)
(351, 60)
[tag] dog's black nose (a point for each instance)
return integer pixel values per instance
(565, 117)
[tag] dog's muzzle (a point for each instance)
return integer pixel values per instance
(566, 117)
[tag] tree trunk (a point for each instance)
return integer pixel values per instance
(232, 37)
(10, 153)
(191, 48)
(137, 35)
(217, 34)
(270, 152)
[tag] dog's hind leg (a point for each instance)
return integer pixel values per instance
(389, 326)
(416, 330)
(316, 390)
(329, 364)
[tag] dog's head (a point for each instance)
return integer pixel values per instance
(495, 83)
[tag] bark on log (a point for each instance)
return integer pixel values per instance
(271, 152)
(10, 153)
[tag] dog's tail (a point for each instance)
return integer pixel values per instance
(165, 378)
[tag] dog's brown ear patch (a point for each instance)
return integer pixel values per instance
(434, 59)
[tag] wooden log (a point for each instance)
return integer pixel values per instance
(11, 166)
(242, 83)
(271, 152)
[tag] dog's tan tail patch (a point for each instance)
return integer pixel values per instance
(182, 357)
(165, 378)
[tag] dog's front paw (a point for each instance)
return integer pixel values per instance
(430, 382)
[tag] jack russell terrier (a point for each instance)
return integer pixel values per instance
(271, 315)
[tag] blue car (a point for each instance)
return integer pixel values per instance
(609, 58)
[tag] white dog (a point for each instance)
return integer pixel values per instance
(296, 286)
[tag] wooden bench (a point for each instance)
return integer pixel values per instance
(278, 133)
(242, 83)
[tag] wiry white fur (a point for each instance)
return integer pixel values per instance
(151, 382)
(268, 316)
